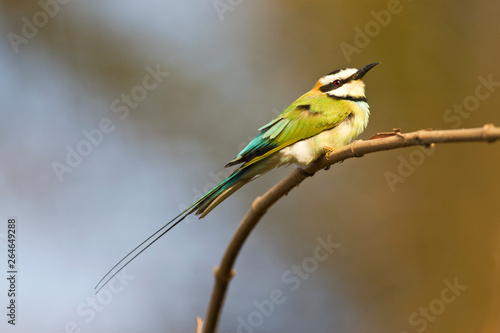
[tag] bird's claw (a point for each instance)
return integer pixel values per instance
(329, 150)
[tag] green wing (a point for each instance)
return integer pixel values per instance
(308, 116)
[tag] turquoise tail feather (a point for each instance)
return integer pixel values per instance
(231, 184)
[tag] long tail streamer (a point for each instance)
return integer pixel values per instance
(200, 204)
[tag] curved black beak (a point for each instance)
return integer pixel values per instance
(362, 71)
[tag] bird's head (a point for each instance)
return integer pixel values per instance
(345, 83)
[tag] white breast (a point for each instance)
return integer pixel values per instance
(307, 151)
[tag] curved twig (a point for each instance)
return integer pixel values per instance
(382, 141)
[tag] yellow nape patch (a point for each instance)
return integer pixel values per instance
(316, 87)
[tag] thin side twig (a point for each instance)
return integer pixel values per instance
(199, 325)
(359, 148)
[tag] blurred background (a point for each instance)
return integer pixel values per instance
(116, 115)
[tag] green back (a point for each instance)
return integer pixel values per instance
(308, 116)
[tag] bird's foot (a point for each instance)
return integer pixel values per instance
(328, 150)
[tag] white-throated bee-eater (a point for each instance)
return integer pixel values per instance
(329, 116)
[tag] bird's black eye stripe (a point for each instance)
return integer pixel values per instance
(332, 85)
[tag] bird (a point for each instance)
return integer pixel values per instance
(329, 116)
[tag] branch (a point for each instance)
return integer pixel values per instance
(359, 148)
(199, 325)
